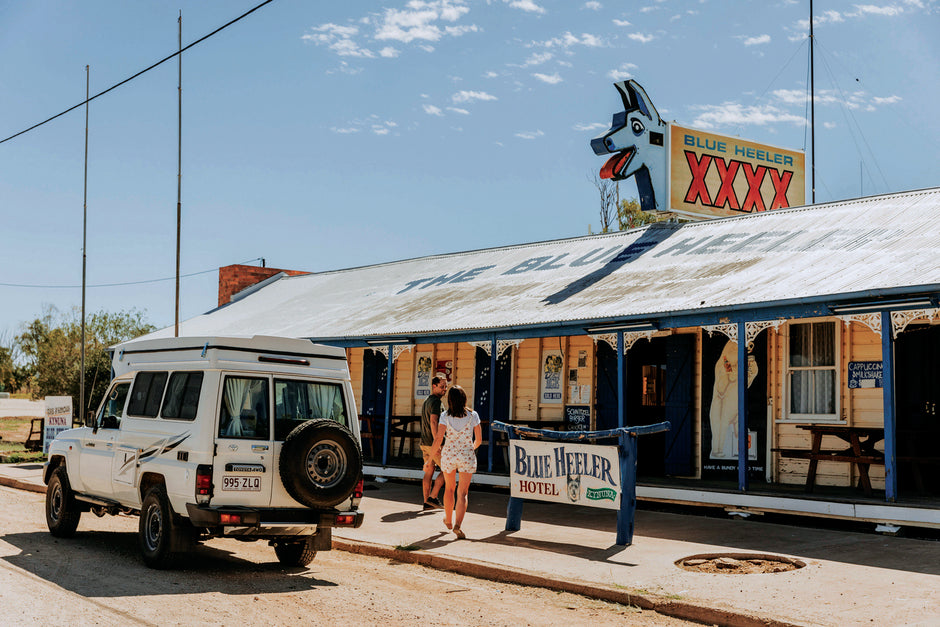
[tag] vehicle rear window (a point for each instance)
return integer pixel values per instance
(296, 402)
(244, 411)
(146, 394)
(182, 396)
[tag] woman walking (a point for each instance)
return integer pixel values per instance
(462, 435)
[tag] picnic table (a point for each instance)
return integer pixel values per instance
(861, 451)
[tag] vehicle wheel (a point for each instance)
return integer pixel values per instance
(160, 537)
(62, 512)
(320, 463)
(295, 553)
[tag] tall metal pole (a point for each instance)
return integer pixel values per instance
(812, 104)
(81, 393)
(179, 173)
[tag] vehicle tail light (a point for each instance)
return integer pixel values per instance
(357, 491)
(345, 520)
(203, 483)
(230, 519)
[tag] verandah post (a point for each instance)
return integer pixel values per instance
(627, 453)
(386, 440)
(514, 509)
(742, 408)
(887, 366)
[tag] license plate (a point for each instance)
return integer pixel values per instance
(251, 484)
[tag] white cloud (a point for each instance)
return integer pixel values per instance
(529, 134)
(380, 130)
(734, 114)
(756, 41)
(490, 74)
(432, 110)
(456, 110)
(568, 40)
(339, 39)
(871, 9)
(593, 5)
(525, 5)
(537, 58)
(596, 126)
(472, 96)
(621, 22)
(551, 79)
(829, 125)
(852, 101)
(344, 131)
(623, 72)
(640, 37)
(419, 21)
(388, 52)
(886, 101)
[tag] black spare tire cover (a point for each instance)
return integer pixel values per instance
(320, 463)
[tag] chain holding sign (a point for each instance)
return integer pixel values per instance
(557, 466)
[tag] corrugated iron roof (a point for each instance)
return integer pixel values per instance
(865, 245)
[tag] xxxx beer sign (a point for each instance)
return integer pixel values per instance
(691, 172)
(715, 175)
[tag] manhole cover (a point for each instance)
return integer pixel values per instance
(738, 563)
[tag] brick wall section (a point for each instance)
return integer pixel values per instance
(235, 278)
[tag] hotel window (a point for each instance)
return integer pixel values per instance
(812, 371)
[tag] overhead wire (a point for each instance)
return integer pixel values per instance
(144, 71)
(172, 278)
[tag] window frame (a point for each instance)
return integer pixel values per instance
(223, 409)
(153, 374)
(306, 382)
(836, 368)
(166, 394)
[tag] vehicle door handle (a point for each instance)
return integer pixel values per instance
(110, 444)
(90, 444)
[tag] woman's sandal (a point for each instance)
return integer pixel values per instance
(460, 534)
(448, 525)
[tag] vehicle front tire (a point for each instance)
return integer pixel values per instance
(62, 512)
(320, 463)
(295, 553)
(160, 537)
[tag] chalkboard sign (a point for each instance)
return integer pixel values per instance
(577, 417)
(865, 374)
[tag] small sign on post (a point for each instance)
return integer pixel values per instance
(577, 418)
(58, 418)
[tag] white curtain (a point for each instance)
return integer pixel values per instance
(326, 402)
(236, 393)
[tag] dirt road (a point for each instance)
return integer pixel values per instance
(98, 578)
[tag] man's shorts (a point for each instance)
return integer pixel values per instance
(426, 454)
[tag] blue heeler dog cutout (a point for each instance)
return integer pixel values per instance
(636, 140)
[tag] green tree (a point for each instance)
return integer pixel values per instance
(630, 216)
(51, 349)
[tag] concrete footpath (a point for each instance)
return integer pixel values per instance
(849, 578)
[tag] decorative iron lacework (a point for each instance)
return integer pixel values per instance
(753, 329)
(629, 339)
(900, 319)
(501, 345)
(728, 330)
(380, 349)
(610, 338)
(398, 349)
(870, 320)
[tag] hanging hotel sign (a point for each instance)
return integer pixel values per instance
(562, 472)
(692, 172)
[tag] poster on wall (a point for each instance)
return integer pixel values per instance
(444, 368)
(422, 375)
(720, 407)
(552, 366)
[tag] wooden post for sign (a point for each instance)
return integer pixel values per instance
(627, 448)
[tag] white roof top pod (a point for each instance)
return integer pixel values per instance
(241, 352)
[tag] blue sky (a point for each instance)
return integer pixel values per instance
(327, 135)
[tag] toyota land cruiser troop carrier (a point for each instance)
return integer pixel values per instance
(247, 438)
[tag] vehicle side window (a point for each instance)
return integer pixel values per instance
(146, 394)
(296, 402)
(113, 409)
(182, 396)
(245, 409)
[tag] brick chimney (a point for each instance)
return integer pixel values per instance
(235, 278)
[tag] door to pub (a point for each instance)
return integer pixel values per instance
(917, 355)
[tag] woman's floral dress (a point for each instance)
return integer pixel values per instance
(457, 452)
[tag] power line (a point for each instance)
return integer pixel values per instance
(172, 278)
(145, 70)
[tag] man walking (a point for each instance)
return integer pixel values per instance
(430, 413)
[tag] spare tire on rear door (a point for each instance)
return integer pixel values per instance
(320, 463)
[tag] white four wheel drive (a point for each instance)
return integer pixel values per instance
(248, 438)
